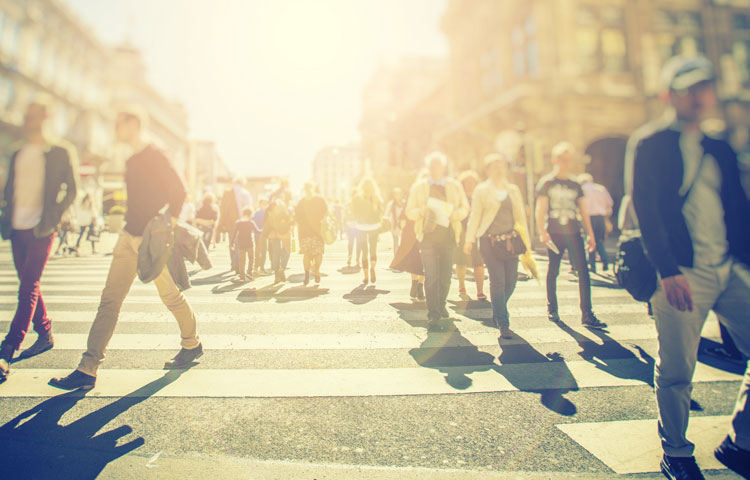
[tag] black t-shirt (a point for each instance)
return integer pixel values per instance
(244, 229)
(208, 212)
(563, 215)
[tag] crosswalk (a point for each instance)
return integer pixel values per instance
(350, 340)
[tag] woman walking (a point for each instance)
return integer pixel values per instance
(309, 215)
(352, 234)
(498, 221)
(367, 207)
(469, 181)
(86, 213)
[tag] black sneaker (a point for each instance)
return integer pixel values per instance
(722, 354)
(42, 344)
(75, 381)
(185, 358)
(414, 288)
(589, 320)
(733, 457)
(420, 291)
(553, 317)
(680, 468)
(506, 333)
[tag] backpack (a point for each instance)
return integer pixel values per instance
(634, 271)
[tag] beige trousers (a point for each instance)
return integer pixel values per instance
(121, 275)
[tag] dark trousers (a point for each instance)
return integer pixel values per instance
(437, 260)
(503, 277)
(279, 249)
(577, 253)
(242, 254)
(599, 225)
(30, 255)
(367, 244)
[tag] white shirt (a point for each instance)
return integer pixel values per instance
(28, 187)
(703, 210)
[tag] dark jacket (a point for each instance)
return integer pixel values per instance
(164, 246)
(658, 176)
(59, 191)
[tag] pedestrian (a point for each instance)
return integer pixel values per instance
(469, 181)
(407, 258)
(309, 214)
(394, 216)
(437, 205)
(242, 239)
(87, 222)
(206, 218)
(695, 225)
(338, 216)
(188, 212)
(32, 207)
(367, 208)
(261, 242)
(560, 215)
(151, 183)
(278, 229)
(352, 234)
(498, 221)
(599, 205)
(67, 227)
(234, 200)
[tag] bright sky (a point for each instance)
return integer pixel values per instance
(271, 81)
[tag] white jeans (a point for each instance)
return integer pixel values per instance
(725, 289)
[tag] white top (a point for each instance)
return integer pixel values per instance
(703, 210)
(28, 187)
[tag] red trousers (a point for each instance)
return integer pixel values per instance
(30, 255)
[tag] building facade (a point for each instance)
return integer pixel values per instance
(336, 169)
(45, 50)
(584, 71)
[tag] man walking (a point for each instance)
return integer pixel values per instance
(695, 224)
(39, 173)
(560, 214)
(151, 183)
(437, 205)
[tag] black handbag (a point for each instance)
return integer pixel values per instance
(508, 245)
(634, 271)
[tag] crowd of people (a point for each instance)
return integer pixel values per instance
(684, 200)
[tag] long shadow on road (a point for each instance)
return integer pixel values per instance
(34, 444)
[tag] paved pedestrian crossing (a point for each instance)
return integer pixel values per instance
(396, 353)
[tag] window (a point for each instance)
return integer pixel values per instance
(741, 56)
(600, 36)
(741, 21)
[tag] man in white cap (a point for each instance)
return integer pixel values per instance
(695, 224)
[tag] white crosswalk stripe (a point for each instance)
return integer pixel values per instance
(258, 317)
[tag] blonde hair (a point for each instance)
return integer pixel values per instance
(561, 149)
(435, 156)
(368, 188)
(310, 188)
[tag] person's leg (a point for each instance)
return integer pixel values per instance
(250, 259)
(597, 224)
(461, 274)
(496, 269)
(678, 335)
(349, 247)
(363, 250)
(479, 278)
(553, 270)
(30, 255)
(176, 302)
(241, 254)
(577, 254)
(122, 272)
(286, 251)
(429, 254)
(274, 249)
(732, 307)
(373, 240)
(445, 260)
(80, 236)
(511, 277)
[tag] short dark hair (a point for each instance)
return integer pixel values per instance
(247, 211)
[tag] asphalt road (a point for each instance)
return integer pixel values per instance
(343, 381)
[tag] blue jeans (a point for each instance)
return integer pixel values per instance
(437, 260)
(503, 277)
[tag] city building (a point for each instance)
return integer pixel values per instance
(536, 72)
(45, 50)
(205, 169)
(336, 169)
(393, 93)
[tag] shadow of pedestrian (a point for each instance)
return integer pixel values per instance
(454, 356)
(299, 294)
(479, 310)
(349, 270)
(35, 445)
(264, 294)
(364, 294)
(213, 279)
(608, 355)
(727, 366)
(551, 383)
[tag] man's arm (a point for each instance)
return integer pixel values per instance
(591, 242)
(175, 188)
